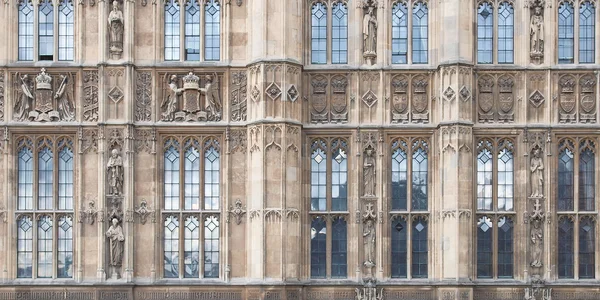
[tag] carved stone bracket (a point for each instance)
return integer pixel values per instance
(143, 212)
(237, 212)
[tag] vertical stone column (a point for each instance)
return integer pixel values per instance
(101, 273)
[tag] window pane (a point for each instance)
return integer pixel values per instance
(484, 177)
(191, 248)
(505, 186)
(25, 30)
(171, 30)
(211, 177)
(485, 37)
(419, 248)
(399, 259)
(339, 28)
(339, 260)
(399, 33)
(45, 178)
(318, 248)
(586, 180)
(211, 248)
(191, 181)
(505, 248)
(566, 255)
(192, 31)
(419, 33)
(565, 180)
(25, 181)
(565, 33)
(319, 33)
(419, 180)
(44, 247)
(339, 186)
(587, 240)
(484, 247)
(46, 30)
(399, 177)
(65, 179)
(505, 33)
(171, 184)
(24, 247)
(65, 247)
(587, 32)
(65, 30)
(212, 34)
(318, 180)
(171, 259)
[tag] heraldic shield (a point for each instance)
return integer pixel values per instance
(319, 102)
(506, 102)
(588, 103)
(567, 101)
(486, 102)
(400, 103)
(338, 102)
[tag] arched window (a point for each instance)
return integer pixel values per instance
(339, 251)
(192, 31)
(420, 176)
(505, 33)
(46, 30)
(192, 195)
(587, 32)
(420, 33)
(45, 211)
(400, 33)
(319, 33)
(25, 30)
(399, 175)
(212, 30)
(66, 20)
(587, 248)
(420, 248)
(339, 33)
(565, 32)
(484, 248)
(172, 30)
(566, 256)
(318, 248)
(485, 33)
(587, 178)
(505, 247)
(566, 175)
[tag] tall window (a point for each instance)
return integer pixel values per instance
(320, 27)
(319, 33)
(486, 29)
(339, 33)
(420, 33)
(587, 32)
(566, 21)
(46, 23)
(576, 217)
(200, 27)
(400, 33)
(329, 208)
(44, 211)
(495, 208)
(191, 211)
(409, 226)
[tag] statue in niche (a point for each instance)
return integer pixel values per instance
(115, 173)
(23, 101)
(536, 243)
(169, 103)
(116, 28)
(369, 243)
(369, 173)
(536, 32)
(116, 237)
(66, 109)
(213, 103)
(537, 174)
(370, 34)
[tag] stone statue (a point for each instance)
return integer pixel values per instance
(213, 102)
(537, 32)
(23, 100)
(369, 243)
(66, 109)
(537, 243)
(370, 31)
(116, 237)
(115, 173)
(369, 173)
(537, 174)
(169, 103)
(116, 28)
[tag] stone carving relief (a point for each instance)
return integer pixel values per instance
(537, 83)
(420, 99)
(504, 294)
(322, 111)
(587, 99)
(273, 135)
(409, 100)
(536, 30)
(495, 101)
(238, 96)
(44, 98)
(191, 102)
(577, 98)
(410, 295)
(88, 140)
(143, 212)
(1, 96)
(145, 141)
(143, 97)
(115, 173)
(400, 113)
(90, 96)
(89, 214)
(369, 219)
(541, 293)
(173, 294)
(116, 246)
(330, 295)
(369, 291)
(537, 174)
(369, 98)
(369, 30)
(116, 25)
(237, 212)
(237, 141)
(369, 172)
(292, 137)
(567, 99)
(273, 90)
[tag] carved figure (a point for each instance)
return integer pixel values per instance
(537, 32)
(536, 243)
(213, 102)
(116, 28)
(370, 31)
(169, 103)
(537, 174)
(22, 103)
(369, 173)
(116, 237)
(115, 173)
(369, 243)
(66, 109)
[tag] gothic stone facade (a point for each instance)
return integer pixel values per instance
(258, 172)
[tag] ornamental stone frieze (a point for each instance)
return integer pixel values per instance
(239, 95)
(191, 97)
(44, 97)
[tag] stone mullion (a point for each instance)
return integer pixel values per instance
(102, 43)
(256, 232)
(127, 205)
(101, 272)
(8, 164)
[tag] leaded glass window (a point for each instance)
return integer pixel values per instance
(400, 33)
(46, 30)
(420, 34)
(319, 33)
(419, 268)
(587, 252)
(485, 33)
(192, 200)
(192, 31)
(318, 248)
(399, 247)
(566, 255)
(45, 210)
(26, 30)
(565, 32)
(339, 33)
(172, 30)
(399, 175)
(506, 26)
(566, 175)
(420, 178)
(484, 248)
(212, 30)
(339, 251)
(505, 247)
(66, 20)
(587, 178)
(587, 32)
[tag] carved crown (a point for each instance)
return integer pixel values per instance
(43, 81)
(505, 84)
(191, 81)
(485, 84)
(399, 85)
(567, 84)
(420, 86)
(588, 84)
(319, 85)
(339, 84)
